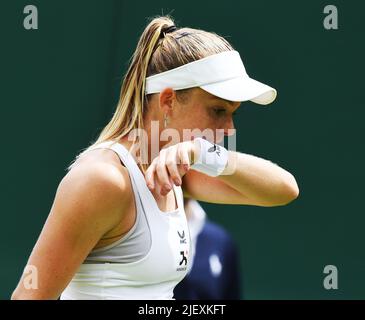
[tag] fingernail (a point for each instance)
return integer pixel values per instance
(167, 187)
(177, 181)
(150, 186)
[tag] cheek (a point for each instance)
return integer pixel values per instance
(196, 118)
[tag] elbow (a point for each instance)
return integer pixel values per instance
(292, 194)
(288, 193)
(290, 190)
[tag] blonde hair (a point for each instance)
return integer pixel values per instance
(156, 52)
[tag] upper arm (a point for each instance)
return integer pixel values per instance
(88, 203)
(201, 187)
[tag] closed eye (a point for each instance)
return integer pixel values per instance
(219, 111)
(222, 111)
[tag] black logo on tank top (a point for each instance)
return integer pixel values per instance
(184, 259)
(182, 237)
(184, 254)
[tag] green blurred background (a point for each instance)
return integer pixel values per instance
(60, 84)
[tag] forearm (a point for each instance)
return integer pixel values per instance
(259, 179)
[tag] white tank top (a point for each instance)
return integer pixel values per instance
(155, 275)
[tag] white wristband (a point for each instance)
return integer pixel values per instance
(212, 158)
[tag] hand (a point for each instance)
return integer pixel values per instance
(170, 166)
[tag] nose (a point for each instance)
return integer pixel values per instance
(229, 129)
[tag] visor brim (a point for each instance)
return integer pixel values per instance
(242, 89)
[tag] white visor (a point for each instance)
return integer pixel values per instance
(223, 75)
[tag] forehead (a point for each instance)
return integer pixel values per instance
(202, 94)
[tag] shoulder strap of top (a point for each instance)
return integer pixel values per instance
(179, 196)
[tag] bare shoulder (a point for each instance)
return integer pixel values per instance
(102, 164)
(98, 180)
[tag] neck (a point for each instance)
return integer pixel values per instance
(145, 151)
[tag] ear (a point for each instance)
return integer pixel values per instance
(167, 99)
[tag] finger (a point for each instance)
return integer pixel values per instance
(171, 164)
(184, 156)
(162, 175)
(183, 162)
(150, 175)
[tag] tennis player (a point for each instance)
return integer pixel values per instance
(117, 227)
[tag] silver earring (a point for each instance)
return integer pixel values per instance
(165, 120)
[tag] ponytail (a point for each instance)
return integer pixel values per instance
(161, 47)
